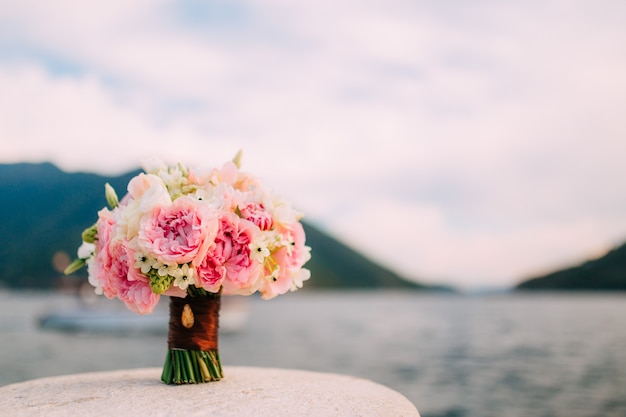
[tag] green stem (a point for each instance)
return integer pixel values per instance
(166, 376)
(189, 367)
(206, 376)
(177, 368)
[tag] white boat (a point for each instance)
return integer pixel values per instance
(117, 319)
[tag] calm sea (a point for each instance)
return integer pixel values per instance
(530, 355)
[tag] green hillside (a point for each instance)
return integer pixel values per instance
(335, 265)
(605, 273)
(44, 210)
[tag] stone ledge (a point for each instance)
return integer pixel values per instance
(244, 391)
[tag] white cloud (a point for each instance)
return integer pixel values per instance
(478, 143)
(80, 124)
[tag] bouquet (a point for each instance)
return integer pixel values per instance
(193, 234)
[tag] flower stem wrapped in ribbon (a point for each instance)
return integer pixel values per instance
(193, 235)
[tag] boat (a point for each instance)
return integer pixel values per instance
(92, 318)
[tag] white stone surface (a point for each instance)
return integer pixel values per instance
(243, 392)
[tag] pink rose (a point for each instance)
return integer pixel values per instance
(228, 262)
(180, 233)
(256, 214)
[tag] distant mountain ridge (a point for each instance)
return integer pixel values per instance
(605, 273)
(44, 210)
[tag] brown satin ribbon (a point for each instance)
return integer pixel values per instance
(203, 334)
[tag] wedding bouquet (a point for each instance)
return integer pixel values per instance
(193, 234)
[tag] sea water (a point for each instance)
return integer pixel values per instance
(526, 355)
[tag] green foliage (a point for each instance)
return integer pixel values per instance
(74, 266)
(90, 234)
(336, 265)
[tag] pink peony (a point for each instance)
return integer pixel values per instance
(256, 214)
(298, 254)
(131, 286)
(111, 272)
(180, 233)
(145, 192)
(138, 297)
(228, 262)
(271, 288)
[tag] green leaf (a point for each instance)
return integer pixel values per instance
(237, 159)
(90, 234)
(111, 196)
(74, 266)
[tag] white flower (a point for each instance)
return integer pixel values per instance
(164, 269)
(144, 262)
(275, 272)
(259, 249)
(274, 239)
(298, 278)
(289, 243)
(154, 195)
(153, 165)
(86, 250)
(184, 277)
(209, 196)
(175, 179)
(280, 208)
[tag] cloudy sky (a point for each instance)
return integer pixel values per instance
(469, 143)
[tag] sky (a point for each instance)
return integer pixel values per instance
(472, 144)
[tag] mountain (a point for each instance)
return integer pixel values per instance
(335, 265)
(44, 210)
(605, 273)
